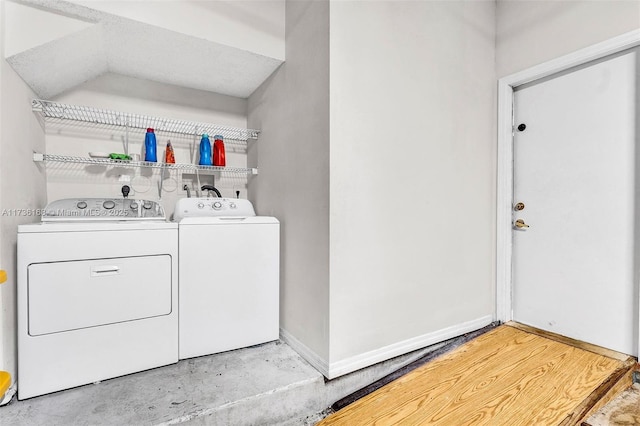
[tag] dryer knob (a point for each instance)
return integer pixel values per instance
(108, 204)
(134, 206)
(146, 206)
(201, 205)
(217, 205)
(232, 205)
(81, 205)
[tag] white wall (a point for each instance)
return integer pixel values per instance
(125, 94)
(56, 46)
(22, 20)
(377, 153)
(254, 25)
(22, 187)
(532, 32)
(292, 111)
(413, 99)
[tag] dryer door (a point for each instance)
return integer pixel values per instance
(65, 296)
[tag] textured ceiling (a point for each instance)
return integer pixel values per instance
(118, 45)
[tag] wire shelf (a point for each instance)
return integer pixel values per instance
(38, 157)
(57, 112)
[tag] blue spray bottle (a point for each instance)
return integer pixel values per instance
(150, 147)
(205, 151)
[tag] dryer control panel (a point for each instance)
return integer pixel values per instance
(212, 207)
(102, 209)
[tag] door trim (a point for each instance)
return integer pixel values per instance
(504, 198)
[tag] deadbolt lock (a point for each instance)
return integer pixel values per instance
(518, 207)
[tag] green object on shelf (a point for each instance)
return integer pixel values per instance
(115, 156)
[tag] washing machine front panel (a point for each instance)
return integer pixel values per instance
(229, 285)
(70, 295)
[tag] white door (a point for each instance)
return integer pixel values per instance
(574, 172)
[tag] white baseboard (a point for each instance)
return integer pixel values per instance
(305, 352)
(348, 365)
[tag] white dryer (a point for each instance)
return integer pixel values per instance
(97, 293)
(228, 275)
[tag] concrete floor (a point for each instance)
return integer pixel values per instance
(622, 410)
(269, 384)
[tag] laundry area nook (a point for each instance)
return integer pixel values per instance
(319, 212)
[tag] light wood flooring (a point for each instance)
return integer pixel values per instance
(508, 376)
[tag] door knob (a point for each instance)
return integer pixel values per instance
(520, 224)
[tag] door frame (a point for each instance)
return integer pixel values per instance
(504, 196)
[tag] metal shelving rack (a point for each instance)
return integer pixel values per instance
(38, 157)
(77, 116)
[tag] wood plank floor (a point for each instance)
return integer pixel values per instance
(505, 377)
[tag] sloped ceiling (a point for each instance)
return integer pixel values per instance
(58, 60)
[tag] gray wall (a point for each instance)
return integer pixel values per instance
(292, 111)
(532, 32)
(377, 154)
(413, 100)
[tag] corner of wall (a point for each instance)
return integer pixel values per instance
(291, 109)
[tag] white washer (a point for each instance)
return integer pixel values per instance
(97, 293)
(229, 275)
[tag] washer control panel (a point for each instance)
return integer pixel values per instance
(102, 209)
(211, 207)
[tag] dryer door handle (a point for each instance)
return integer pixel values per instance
(101, 271)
